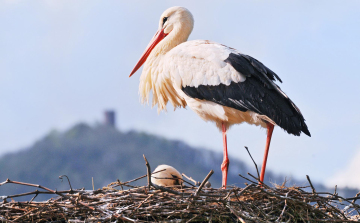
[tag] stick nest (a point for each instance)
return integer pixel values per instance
(253, 203)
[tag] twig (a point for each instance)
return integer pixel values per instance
(313, 190)
(191, 219)
(335, 190)
(197, 183)
(130, 181)
(145, 200)
(355, 198)
(5, 220)
(148, 171)
(261, 183)
(283, 211)
(311, 185)
(257, 170)
(37, 193)
(121, 184)
(238, 217)
(61, 177)
(247, 179)
(172, 178)
(244, 190)
(203, 183)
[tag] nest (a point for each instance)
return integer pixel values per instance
(256, 202)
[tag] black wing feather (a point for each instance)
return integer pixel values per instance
(259, 67)
(258, 93)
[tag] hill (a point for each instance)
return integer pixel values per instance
(107, 154)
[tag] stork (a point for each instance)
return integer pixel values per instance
(169, 177)
(217, 82)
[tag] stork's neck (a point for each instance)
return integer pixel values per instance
(175, 37)
(153, 67)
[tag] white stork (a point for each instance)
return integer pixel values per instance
(215, 81)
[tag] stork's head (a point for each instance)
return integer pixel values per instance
(178, 19)
(176, 24)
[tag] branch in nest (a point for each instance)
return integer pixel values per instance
(257, 170)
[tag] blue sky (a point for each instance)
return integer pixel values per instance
(62, 62)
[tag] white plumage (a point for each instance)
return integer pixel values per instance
(217, 82)
(169, 177)
(200, 62)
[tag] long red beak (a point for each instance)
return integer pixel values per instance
(160, 35)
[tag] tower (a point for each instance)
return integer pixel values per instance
(109, 118)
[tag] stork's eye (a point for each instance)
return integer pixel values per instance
(164, 20)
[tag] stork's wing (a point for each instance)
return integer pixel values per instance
(213, 72)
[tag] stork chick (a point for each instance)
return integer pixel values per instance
(169, 177)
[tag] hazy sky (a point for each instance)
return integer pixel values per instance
(63, 61)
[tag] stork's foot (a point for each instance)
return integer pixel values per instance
(224, 170)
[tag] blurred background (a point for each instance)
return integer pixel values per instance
(64, 62)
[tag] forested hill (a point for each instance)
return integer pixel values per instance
(107, 154)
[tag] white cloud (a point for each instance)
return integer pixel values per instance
(349, 176)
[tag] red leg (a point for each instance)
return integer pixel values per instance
(225, 163)
(270, 128)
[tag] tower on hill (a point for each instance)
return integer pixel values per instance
(109, 118)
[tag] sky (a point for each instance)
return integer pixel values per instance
(64, 62)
